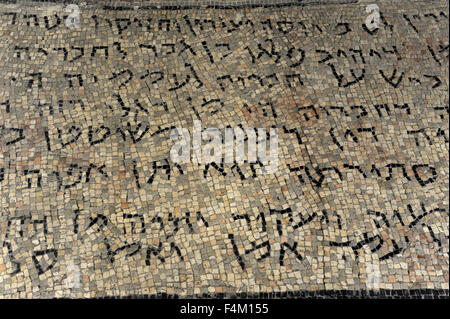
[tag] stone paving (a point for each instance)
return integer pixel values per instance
(93, 206)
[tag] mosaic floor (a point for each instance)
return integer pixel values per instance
(91, 204)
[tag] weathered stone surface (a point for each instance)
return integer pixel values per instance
(88, 192)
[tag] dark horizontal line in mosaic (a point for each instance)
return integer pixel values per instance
(231, 7)
(305, 294)
(207, 6)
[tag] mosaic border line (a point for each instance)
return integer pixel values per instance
(232, 7)
(306, 294)
(120, 6)
(187, 5)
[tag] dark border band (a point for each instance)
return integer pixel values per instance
(303, 294)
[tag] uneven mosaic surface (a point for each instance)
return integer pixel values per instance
(92, 206)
